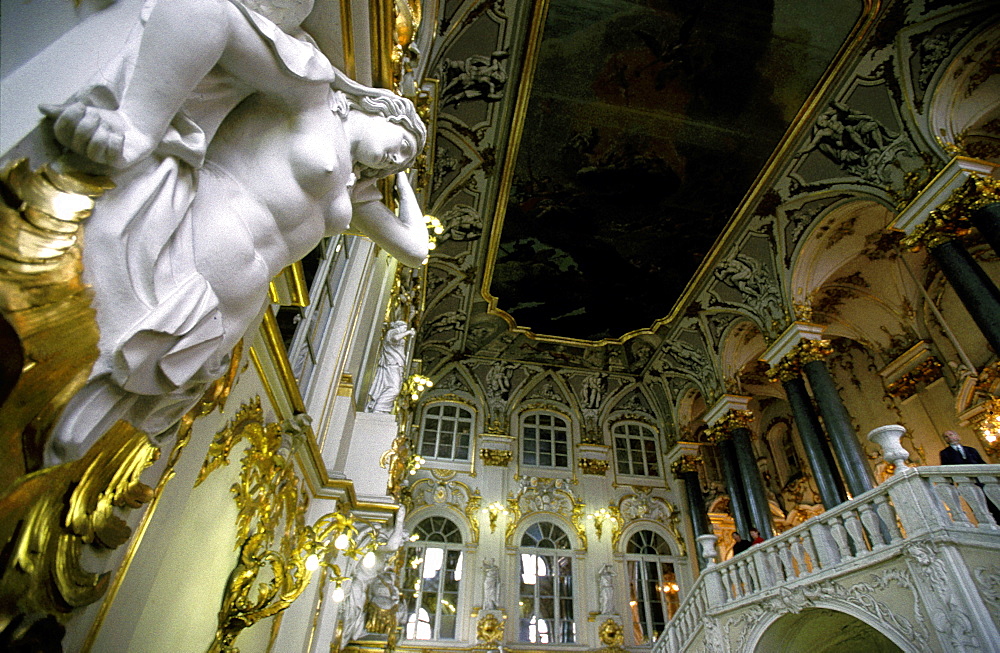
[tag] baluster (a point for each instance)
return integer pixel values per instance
(885, 510)
(840, 537)
(754, 574)
(949, 497)
(856, 532)
(976, 500)
(991, 487)
(785, 555)
(764, 572)
(826, 547)
(810, 546)
(799, 556)
(871, 524)
(774, 561)
(745, 579)
(728, 582)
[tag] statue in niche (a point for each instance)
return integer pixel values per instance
(491, 585)
(236, 147)
(389, 375)
(606, 589)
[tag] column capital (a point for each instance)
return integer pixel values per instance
(942, 210)
(685, 465)
(786, 369)
(808, 351)
(728, 423)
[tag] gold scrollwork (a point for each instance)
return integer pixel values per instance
(271, 507)
(496, 457)
(787, 369)
(46, 532)
(593, 466)
(579, 520)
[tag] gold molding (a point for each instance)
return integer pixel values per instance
(685, 465)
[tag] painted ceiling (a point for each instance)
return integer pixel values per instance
(646, 126)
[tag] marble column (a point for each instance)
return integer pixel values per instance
(987, 221)
(737, 497)
(846, 446)
(974, 288)
(818, 452)
(687, 471)
(753, 484)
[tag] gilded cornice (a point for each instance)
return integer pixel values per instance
(952, 218)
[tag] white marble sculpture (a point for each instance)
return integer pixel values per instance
(606, 589)
(389, 376)
(491, 585)
(236, 147)
(362, 586)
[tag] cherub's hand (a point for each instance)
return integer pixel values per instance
(104, 136)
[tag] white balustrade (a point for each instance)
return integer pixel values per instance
(912, 503)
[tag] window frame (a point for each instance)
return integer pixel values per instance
(537, 444)
(564, 606)
(642, 437)
(413, 598)
(638, 564)
(457, 420)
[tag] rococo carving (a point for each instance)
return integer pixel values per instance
(496, 457)
(593, 466)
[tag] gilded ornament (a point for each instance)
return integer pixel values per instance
(489, 630)
(952, 219)
(907, 385)
(809, 351)
(278, 551)
(732, 420)
(44, 300)
(788, 368)
(803, 311)
(579, 520)
(49, 517)
(496, 457)
(228, 437)
(593, 466)
(685, 465)
(612, 636)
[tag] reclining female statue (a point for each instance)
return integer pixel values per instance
(236, 147)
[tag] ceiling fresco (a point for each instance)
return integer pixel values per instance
(646, 126)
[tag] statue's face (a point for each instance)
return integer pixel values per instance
(385, 145)
(286, 14)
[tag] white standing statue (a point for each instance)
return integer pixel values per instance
(606, 589)
(389, 375)
(236, 147)
(491, 585)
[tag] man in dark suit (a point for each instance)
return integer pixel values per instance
(739, 544)
(957, 454)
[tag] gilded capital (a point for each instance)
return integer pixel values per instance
(808, 351)
(787, 369)
(734, 419)
(685, 465)
(952, 219)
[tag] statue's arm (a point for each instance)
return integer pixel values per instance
(181, 42)
(404, 237)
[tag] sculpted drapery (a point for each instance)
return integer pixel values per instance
(235, 147)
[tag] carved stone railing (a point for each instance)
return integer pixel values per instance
(939, 503)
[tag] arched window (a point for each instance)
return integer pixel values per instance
(431, 579)
(652, 584)
(546, 594)
(635, 449)
(447, 432)
(544, 440)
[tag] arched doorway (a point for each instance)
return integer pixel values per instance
(820, 630)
